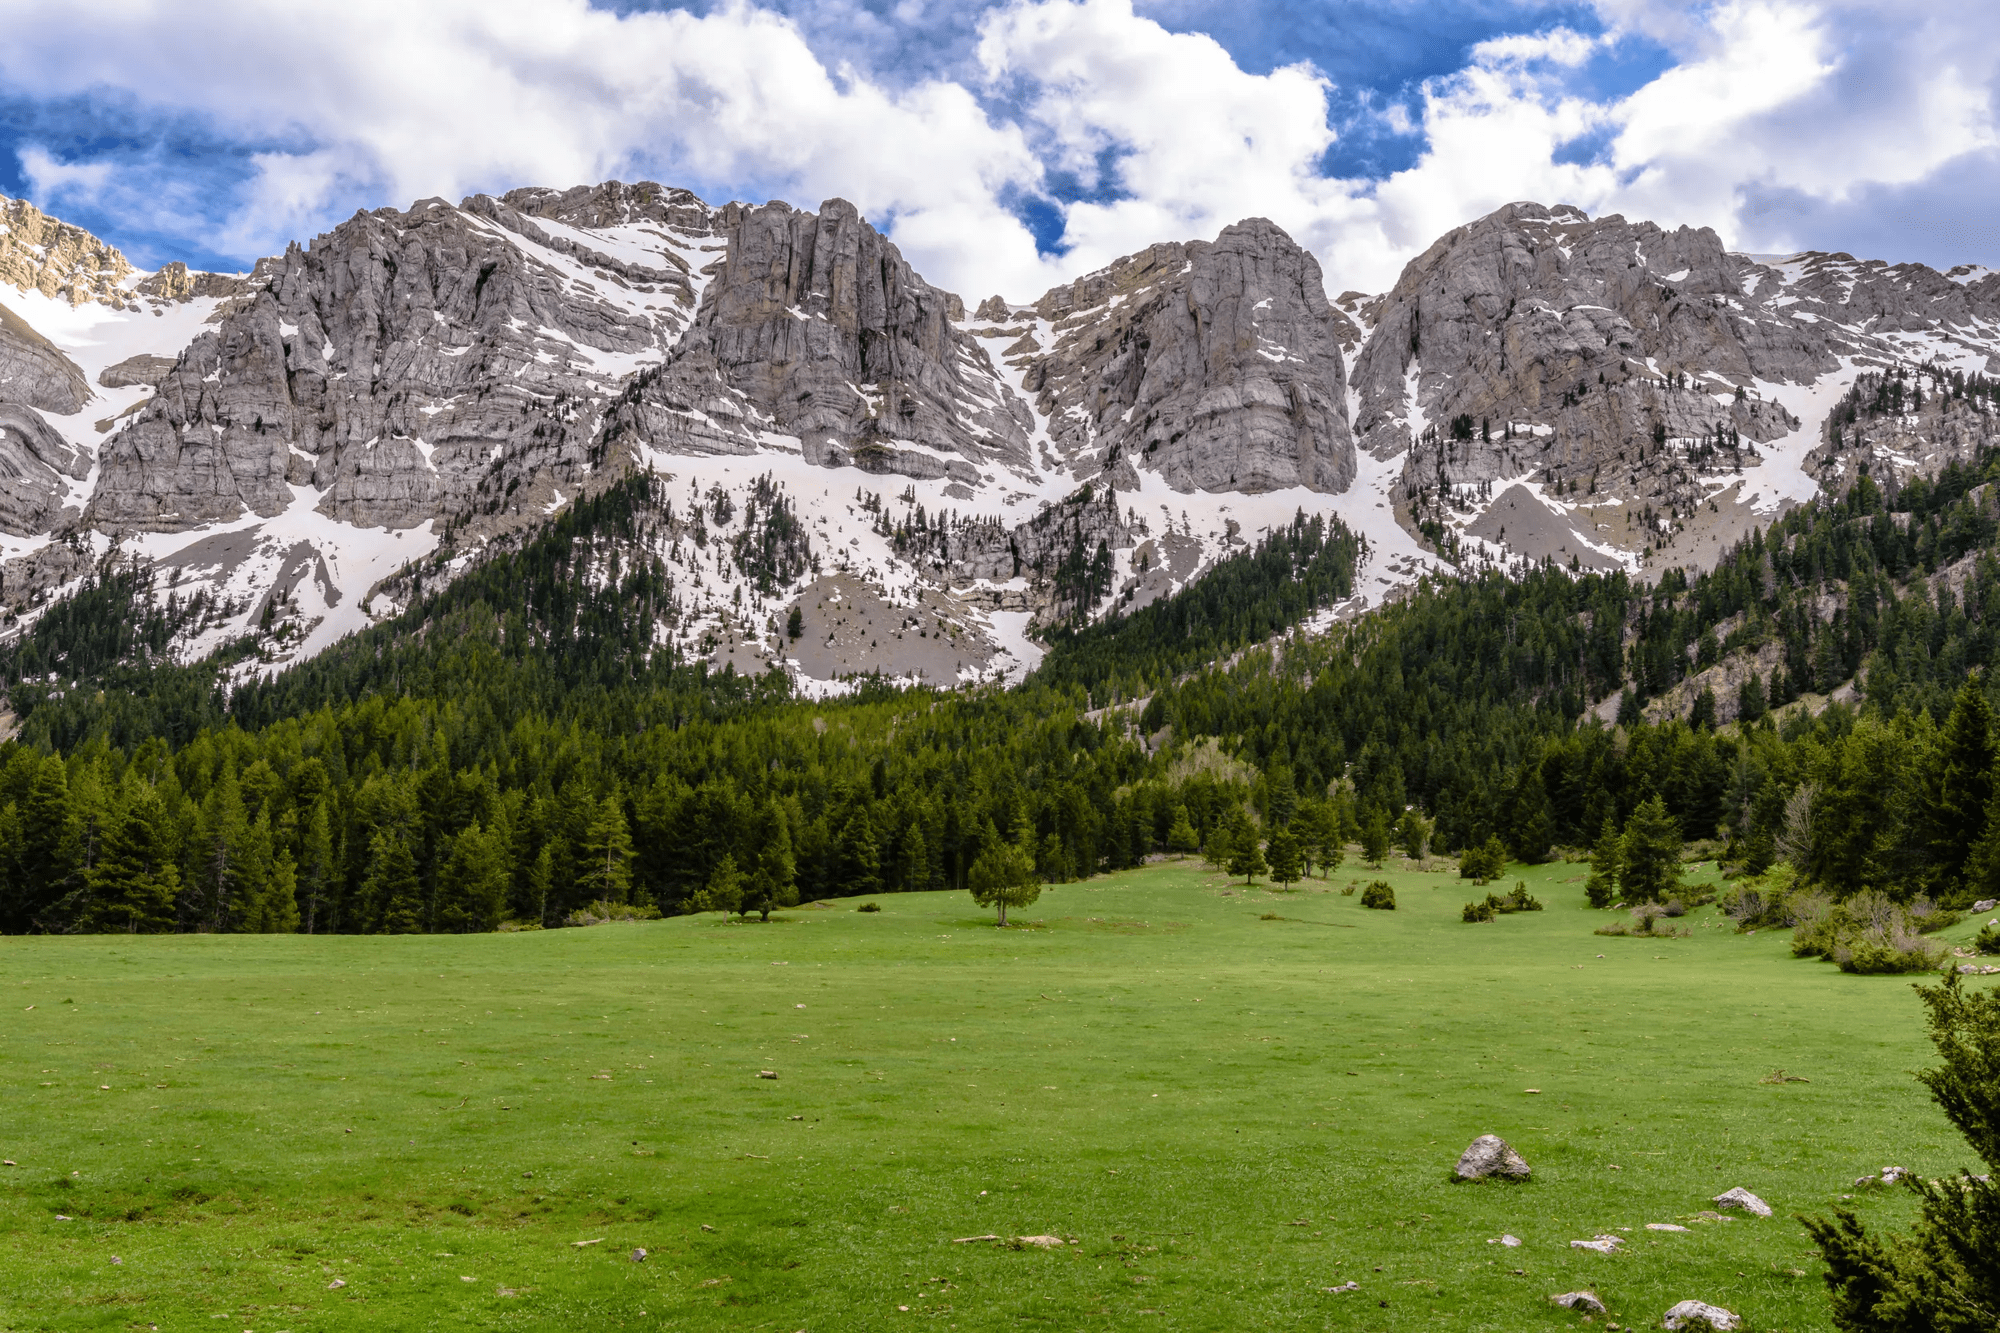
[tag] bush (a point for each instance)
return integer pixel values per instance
(1929, 918)
(1868, 934)
(1763, 901)
(1519, 900)
(1379, 896)
(600, 913)
(1644, 921)
(1946, 1275)
(1481, 911)
(1674, 907)
(1352, 885)
(1987, 940)
(1487, 861)
(869, 907)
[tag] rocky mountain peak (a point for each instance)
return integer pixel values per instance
(64, 262)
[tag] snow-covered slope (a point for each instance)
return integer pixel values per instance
(305, 444)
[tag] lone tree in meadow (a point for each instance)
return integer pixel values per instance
(1650, 863)
(1320, 840)
(1003, 875)
(1945, 1276)
(1181, 838)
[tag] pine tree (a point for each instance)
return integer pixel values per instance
(1413, 834)
(1285, 856)
(1650, 860)
(724, 890)
(1945, 1276)
(1003, 874)
(472, 882)
(1964, 784)
(218, 847)
(315, 867)
(607, 854)
(42, 868)
(133, 884)
(1281, 797)
(1181, 837)
(250, 888)
(1602, 886)
(392, 886)
(1246, 855)
(773, 881)
(1375, 837)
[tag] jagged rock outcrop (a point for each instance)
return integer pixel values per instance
(815, 327)
(176, 282)
(34, 370)
(60, 261)
(407, 365)
(34, 459)
(1216, 364)
(142, 369)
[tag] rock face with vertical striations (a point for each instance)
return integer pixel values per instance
(410, 365)
(1215, 364)
(34, 371)
(816, 328)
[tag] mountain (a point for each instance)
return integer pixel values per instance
(856, 475)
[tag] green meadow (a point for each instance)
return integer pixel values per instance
(1222, 1103)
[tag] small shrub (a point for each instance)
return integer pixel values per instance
(601, 913)
(1519, 900)
(1484, 862)
(1379, 896)
(1674, 907)
(869, 907)
(1270, 916)
(1645, 921)
(1987, 941)
(1348, 892)
(1479, 911)
(1929, 918)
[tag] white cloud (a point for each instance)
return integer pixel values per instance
(1777, 116)
(53, 180)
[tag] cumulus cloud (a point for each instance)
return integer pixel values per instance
(1779, 122)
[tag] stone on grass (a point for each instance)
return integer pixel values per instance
(1035, 1242)
(1345, 1286)
(1986, 905)
(1602, 1244)
(1700, 1315)
(1504, 1239)
(1585, 1301)
(1489, 1155)
(1744, 1199)
(1664, 1226)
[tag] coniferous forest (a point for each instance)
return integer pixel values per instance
(513, 750)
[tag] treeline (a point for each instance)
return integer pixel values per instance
(517, 746)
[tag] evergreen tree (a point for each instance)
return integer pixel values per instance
(473, 882)
(392, 886)
(773, 881)
(607, 854)
(1964, 782)
(315, 866)
(1602, 886)
(1285, 856)
(1246, 855)
(1181, 837)
(1650, 857)
(133, 884)
(217, 852)
(724, 890)
(251, 908)
(42, 866)
(1413, 834)
(858, 862)
(1944, 1277)
(1281, 797)
(1003, 874)
(1375, 837)
(1220, 848)
(542, 878)
(1750, 702)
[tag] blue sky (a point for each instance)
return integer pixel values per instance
(1008, 145)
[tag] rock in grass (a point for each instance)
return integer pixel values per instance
(1035, 1242)
(1489, 1155)
(1345, 1286)
(1744, 1199)
(1585, 1301)
(1602, 1244)
(1664, 1226)
(1987, 905)
(1698, 1315)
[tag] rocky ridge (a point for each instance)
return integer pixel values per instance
(378, 407)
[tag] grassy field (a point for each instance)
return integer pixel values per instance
(1229, 1102)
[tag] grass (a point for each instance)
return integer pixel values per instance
(1228, 1113)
